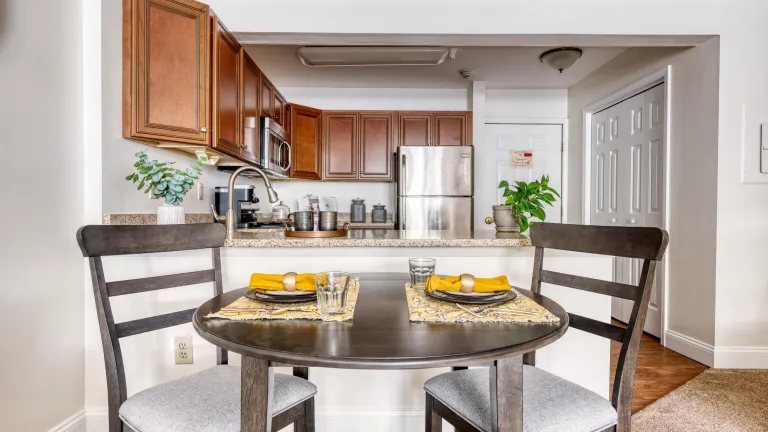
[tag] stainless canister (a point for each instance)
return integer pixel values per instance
(329, 220)
(379, 213)
(357, 211)
(302, 221)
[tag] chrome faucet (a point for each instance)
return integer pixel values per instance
(229, 219)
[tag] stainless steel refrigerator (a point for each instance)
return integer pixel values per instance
(435, 188)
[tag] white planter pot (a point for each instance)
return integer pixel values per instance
(504, 219)
(170, 215)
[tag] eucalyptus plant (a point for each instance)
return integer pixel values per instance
(163, 180)
(528, 199)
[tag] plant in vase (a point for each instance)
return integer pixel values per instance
(526, 200)
(166, 182)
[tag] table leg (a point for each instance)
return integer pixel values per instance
(507, 395)
(257, 382)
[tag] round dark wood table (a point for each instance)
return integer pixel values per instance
(380, 336)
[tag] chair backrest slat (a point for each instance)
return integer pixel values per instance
(98, 240)
(647, 244)
(613, 289)
(106, 240)
(157, 322)
(595, 327)
(134, 286)
(634, 242)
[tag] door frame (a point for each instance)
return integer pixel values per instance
(663, 76)
(563, 123)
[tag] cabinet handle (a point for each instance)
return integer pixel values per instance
(203, 129)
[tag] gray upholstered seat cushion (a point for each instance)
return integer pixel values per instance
(207, 401)
(550, 403)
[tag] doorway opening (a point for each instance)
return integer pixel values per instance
(626, 185)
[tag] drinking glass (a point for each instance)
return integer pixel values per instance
(332, 288)
(421, 269)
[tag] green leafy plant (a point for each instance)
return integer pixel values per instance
(163, 180)
(528, 199)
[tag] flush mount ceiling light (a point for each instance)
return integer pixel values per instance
(324, 56)
(560, 59)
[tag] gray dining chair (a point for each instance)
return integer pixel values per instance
(206, 401)
(552, 404)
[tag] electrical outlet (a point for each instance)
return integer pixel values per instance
(200, 191)
(183, 353)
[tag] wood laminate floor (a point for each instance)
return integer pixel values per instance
(659, 370)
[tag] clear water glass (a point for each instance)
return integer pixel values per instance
(421, 269)
(332, 288)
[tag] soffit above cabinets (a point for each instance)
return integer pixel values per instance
(330, 56)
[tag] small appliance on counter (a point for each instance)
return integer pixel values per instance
(357, 211)
(246, 206)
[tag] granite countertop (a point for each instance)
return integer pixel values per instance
(379, 238)
(369, 237)
(193, 218)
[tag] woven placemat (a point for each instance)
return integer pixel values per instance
(423, 308)
(244, 309)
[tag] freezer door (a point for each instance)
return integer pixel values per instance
(436, 213)
(435, 171)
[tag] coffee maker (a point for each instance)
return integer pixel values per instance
(246, 205)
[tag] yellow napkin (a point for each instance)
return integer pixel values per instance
(304, 281)
(453, 283)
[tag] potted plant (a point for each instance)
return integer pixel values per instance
(166, 182)
(524, 201)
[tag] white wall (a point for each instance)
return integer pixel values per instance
(527, 104)
(692, 168)
(41, 369)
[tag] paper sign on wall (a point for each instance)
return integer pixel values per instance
(521, 159)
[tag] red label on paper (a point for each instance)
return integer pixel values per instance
(528, 154)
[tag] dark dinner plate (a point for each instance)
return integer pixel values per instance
(473, 299)
(278, 298)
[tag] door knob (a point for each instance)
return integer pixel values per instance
(488, 220)
(203, 129)
(613, 220)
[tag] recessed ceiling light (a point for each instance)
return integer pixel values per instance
(560, 59)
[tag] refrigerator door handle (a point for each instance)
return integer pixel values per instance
(403, 183)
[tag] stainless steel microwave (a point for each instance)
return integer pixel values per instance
(275, 151)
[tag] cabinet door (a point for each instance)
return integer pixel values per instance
(450, 129)
(250, 113)
(227, 67)
(279, 108)
(166, 49)
(340, 145)
(415, 129)
(267, 97)
(306, 142)
(376, 138)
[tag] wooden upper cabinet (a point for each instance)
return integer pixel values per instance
(339, 145)
(306, 142)
(415, 129)
(227, 68)
(267, 98)
(251, 127)
(376, 145)
(165, 71)
(451, 129)
(279, 108)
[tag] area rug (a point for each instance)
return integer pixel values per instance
(720, 400)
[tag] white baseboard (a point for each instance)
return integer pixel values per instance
(327, 420)
(701, 352)
(75, 423)
(741, 357)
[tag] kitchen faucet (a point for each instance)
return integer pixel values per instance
(229, 219)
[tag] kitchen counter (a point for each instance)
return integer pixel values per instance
(378, 238)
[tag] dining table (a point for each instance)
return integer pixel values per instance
(379, 337)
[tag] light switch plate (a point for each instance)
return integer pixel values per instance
(200, 191)
(182, 351)
(764, 148)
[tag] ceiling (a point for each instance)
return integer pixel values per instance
(500, 67)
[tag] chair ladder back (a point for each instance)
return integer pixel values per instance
(96, 241)
(648, 244)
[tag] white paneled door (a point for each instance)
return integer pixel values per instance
(493, 163)
(628, 182)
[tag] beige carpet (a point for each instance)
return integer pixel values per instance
(721, 400)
